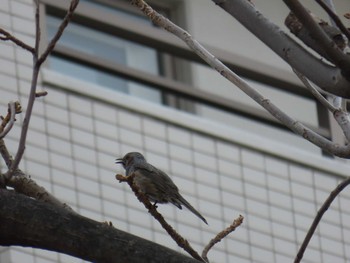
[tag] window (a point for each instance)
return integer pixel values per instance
(98, 45)
(109, 48)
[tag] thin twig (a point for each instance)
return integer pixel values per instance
(236, 223)
(210, 59)
(63, 25)
(7, 122)
(315, 92)
(180, 241)
(335, 18)
(318, 217)
(5, 154)
(8, 37)
(35, 73)
(40, 94)
(340, 115)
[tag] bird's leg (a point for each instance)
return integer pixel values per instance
(155, 205)
(122, 178)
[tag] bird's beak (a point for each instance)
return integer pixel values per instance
(119, 160)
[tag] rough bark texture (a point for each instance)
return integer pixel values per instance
(28, 222)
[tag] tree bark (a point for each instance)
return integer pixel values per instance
(327, 77)
(27, 222)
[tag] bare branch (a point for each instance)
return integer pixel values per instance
(315, 92)
(340, 115)
(28, 223)
(342, 118)
(332, 51)
(180, 241)
(325, 76)
(295, 126)
(5, 154)
(236, 223)
(335, 18)
(25, 124)
(8, 37)
(318, 217)
(24, 185)
(37, 30)
(302, 32)
(63, 25)
(40, 94)
(36, 67)
(7, 122)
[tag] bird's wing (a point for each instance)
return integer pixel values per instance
(160, 179)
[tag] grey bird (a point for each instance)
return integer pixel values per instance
(154, 183)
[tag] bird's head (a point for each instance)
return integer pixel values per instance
(130, 158)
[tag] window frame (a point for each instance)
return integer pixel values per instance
(167, 43)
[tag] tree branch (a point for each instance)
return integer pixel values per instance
(236, 223)
(37, 61)
(57, 229)
(180, 241)
(8, 37)
(315, 92)
(340, 115)
(323, 75)
(318, 217)
(299, 30)
(61, 28)
(335, 18)
(23, 184)
(295, 126)
(329, 47)
(7, 122)
(5, 154)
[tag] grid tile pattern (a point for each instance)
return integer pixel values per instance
(74, 140)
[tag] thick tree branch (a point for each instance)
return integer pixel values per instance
(335, 18)
(319, 216)
(323, 75)
(56, 229)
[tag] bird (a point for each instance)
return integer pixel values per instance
(154, 183)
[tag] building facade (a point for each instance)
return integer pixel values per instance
(116, 84)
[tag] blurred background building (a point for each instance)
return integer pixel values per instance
(116, 84)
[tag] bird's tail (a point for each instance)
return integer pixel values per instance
(191, 208)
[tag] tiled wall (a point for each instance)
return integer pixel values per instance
(71, 150)
(74, 139)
